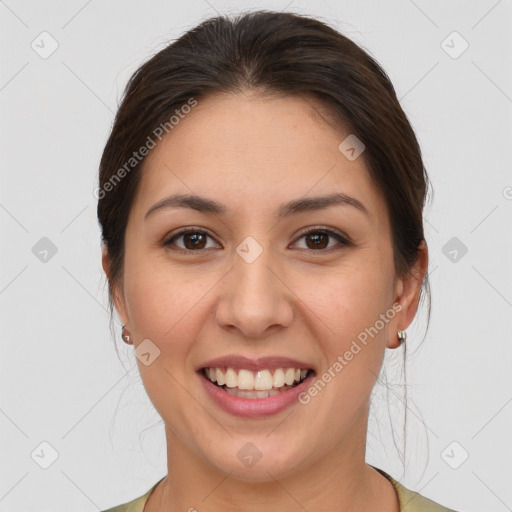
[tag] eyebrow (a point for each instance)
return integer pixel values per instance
(307, 204)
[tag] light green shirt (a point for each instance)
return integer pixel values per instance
(410, 501)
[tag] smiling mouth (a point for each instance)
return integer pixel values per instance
(245, 383)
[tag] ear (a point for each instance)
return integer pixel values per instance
(117, 295)
(407, 294)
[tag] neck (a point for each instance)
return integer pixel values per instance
(337, 480)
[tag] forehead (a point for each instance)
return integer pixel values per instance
(256, 150)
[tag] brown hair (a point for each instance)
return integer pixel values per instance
(270, 53)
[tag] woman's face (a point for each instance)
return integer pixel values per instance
(249, 282)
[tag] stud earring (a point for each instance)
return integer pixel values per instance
(402, 336)
(126, 336)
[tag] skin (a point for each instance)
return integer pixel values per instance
(295, 300)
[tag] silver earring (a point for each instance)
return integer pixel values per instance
(402, 336)
(126, 336)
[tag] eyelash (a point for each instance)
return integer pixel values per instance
(344, 242)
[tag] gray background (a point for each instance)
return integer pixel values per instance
(62, 383)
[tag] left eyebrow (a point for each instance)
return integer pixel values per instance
(205, 205)
(319, 203)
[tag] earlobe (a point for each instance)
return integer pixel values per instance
(407, 294)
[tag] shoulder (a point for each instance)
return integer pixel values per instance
(136, 505)
(411, 501)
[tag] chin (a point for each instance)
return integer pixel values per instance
(254, 465)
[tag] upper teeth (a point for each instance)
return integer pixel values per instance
(255, 380)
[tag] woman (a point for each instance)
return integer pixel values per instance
(260, 199)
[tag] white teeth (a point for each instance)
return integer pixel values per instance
(279, 378)
(258, 381)
(231, 378)
(263, 380)
(245, 380)
(219, 376)
(242, 393)
(289, 376)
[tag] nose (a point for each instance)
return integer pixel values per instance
(254, 298)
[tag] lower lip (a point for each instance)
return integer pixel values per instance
(254, 407)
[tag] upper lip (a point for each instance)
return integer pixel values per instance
(262, 363)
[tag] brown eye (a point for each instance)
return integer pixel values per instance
(193, 240)
(318, 240)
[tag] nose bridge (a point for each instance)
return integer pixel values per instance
(253, 276)
(254, 298)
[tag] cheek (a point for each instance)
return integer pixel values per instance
(168, 308)
(164, 302)
(351, 296)
(347, 306)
